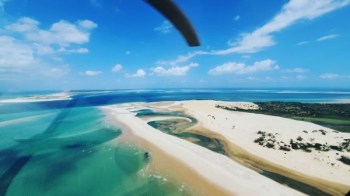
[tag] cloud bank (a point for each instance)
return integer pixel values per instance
(241, 68)
(291, 13)
(26, 47)
(174, 70)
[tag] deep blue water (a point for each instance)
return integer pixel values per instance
(62, 147)
(98, 98)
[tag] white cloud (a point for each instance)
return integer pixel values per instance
(23, 25)
(87, 24)
(327, 37)
(323, 38)
(164, 28)
(181, 58)
(92, 73)
(19, 60)
(302, 43)
(117, 68)
(28, 49)
(42, 50)
(78, 50)
(174, 70)
(300, 77)
(57, 71)
(297, 70)
(241, 68)
(236, 18)
(61, 33)
(329, 76)
(292, 12)
(249, 43)
(15, 54)
(140, 73)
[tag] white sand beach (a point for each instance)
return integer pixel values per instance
(239, 130)
(40, 98)
(322, 169)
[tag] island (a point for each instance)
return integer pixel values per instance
(230, 148)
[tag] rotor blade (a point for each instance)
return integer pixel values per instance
(173, 13)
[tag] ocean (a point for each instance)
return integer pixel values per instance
(58, 143)
(30, 101)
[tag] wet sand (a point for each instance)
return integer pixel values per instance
(207, 171)
(239, 130)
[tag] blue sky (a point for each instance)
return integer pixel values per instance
(114, 44)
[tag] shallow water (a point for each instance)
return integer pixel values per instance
(173, 127)
(177, 127)
(103, 170)
(68, 152)
(64, 148)
(307, 189)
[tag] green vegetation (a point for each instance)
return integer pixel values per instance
(345, 159)
(269, 140)
(180, 128)
(334, 116)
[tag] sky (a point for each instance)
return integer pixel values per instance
(126, 44)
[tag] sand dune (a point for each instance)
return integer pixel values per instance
(238, 130)
(320, 169)
(211, 172)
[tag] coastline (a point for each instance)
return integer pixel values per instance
(209, 172)
(160, 161)
(63, 96)
(293, 164)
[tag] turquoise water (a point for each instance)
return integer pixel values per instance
(72, 151)
(99, 171)
(177, 127)
(65, 148)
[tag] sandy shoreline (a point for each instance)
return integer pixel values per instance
(167, 164)
(211, 172)
(39, 98)
(238, 130)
